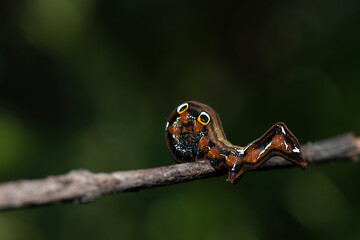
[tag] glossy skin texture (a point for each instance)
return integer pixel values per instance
(194, 132)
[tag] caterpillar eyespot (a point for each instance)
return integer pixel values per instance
(188, 141)
(182, 108)
(204, 118)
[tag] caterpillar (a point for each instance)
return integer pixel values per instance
(194, 132)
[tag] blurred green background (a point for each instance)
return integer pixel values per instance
(90, 84)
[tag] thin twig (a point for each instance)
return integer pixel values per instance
(83, 186)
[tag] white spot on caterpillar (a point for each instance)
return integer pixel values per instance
(167, 125)
(241, 151)
(177, 123)
(223, 156)
(246, 148)
(233, 168)
(296, 150)
(282, 129)
(267, 146)
(287, 147)
(190, 117)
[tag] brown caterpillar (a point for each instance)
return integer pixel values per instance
(194, 132)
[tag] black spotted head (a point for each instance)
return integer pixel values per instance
(187, 124)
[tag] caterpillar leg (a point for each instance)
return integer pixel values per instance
(277, 141)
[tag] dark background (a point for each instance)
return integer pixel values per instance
(90, 84)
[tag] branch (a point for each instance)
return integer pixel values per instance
(82, 186)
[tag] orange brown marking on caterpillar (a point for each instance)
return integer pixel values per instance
(184, 117)
(198, 127)
(213, 153)
(194, 132)
(230, 160)
(204, 144)
(174, 130)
